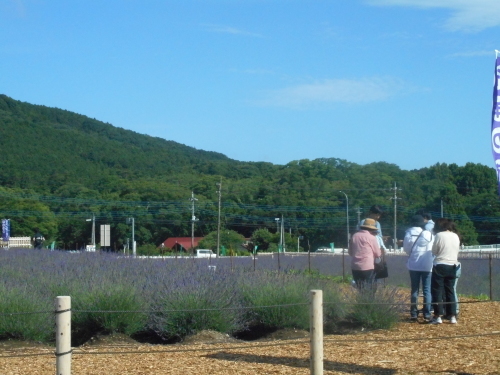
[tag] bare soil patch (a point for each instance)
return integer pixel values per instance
(470, 347)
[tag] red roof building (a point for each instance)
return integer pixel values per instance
(181, 243)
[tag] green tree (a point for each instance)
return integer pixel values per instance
(230, 239)
(26, 214)
(262, 238)
(467, 232)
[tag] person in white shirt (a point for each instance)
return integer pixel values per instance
(417, 244)
(429, 224)
(444, 271)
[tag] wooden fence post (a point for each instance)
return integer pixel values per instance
(316, 332)
(491, 277)
(63, 335)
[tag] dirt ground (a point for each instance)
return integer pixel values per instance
(470, 347)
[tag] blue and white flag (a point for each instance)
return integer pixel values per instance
(5, 229)
(495, 122)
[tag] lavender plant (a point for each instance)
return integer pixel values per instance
(377, 309)
(281, 299)
(276, 300)
(194, 298)
(24, 316)
(108, 309)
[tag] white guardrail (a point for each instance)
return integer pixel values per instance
(480, 248)
(17, 242)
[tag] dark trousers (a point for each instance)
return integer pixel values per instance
(363, 279)
(443, 288)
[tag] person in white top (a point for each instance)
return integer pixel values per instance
(444, 272)
(417, 244)
(429, 224)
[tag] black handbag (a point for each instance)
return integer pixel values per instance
(381, 271)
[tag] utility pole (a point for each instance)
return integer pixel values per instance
(219, 185)
(134, 247)
(358, 211)
(278, 231)
(347, 215)
(93, 230)
(395, 198)
(193, 219)
(131, 221)
(442, 207)
(298, 242)
(282, 236)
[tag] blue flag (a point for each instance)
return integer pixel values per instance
(5, 229)
(495, 122)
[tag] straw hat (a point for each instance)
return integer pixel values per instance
(369, 224)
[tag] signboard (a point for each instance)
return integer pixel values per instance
(105, 236)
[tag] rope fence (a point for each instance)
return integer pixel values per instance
(231, 308)
(64, 351)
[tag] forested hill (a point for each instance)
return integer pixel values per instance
(49, 147)
(58, 168)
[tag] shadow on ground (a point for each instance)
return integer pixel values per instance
(348, 368)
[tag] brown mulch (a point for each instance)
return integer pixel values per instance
(409, 348)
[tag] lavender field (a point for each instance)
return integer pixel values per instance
(168, 299)
(163, 298)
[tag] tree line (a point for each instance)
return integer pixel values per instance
(60, 168)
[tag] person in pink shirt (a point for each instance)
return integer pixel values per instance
(365, 252)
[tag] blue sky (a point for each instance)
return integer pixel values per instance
(407, 82)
